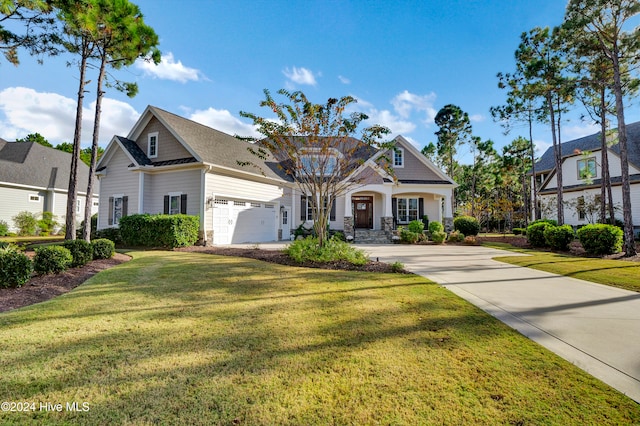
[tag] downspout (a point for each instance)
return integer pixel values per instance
(203, 205)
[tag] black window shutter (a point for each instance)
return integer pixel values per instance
(332, 215)
(183, 203)
(394, 209)
(110, 210)
(125, 206)
(166, 204)
(420, 208)
(303, 208)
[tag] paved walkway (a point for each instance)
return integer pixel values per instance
(593, 326)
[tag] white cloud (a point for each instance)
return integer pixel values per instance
(405, 103)
(575, 132)
(300, 76)
(344, 80)
(385, 118)
(477, 118)
(53, 116)
(169, 69)
(223, 120)
(541, 147)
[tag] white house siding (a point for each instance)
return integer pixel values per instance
(156, 186)
(117, 181)
(226, 186)
(16, 200)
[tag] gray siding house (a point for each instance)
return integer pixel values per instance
(35, 178)
(169, 164)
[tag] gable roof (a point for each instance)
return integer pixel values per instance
(32, 164)
(593, 143)
(442, 178)
(205, 144)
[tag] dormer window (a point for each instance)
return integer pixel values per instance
(318, 164)
(587, 168)
(152, 145)
(398, 157)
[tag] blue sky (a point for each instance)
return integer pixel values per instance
(402, 60)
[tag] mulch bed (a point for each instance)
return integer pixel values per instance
(277, 256)
(45, 287)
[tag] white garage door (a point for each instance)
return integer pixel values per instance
(238, 221)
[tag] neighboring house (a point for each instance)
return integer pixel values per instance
(582, 176)
(35, 178)
(169, 164)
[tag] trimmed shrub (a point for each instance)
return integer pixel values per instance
(559, 237)
(397, 267)
(15, 268)
(535, 233)
(435, 227)
(471, 239)
(162, 230)
(103, 248)
(334, 250)
(81, 251)
(51, 259)
(416, 226)
(407, 236)
(47, 223)
(438, 237)
(26, 223)
(519, 231)
(4, 228)
(456, 237)
(467, 225)
(112, 234)
(601, 239)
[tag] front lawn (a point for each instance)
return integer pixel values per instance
(616, 273)
(190, 338)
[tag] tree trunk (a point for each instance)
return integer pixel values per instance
(534, 184)
(72, 194)
(629, 241)
(86, 232)
(557, 150)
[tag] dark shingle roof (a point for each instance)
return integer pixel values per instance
(215, 147)
(592, 143)
(134, 150)
(29, 163)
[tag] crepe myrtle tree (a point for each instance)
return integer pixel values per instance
(316, 145)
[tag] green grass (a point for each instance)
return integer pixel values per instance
(186, 338)
(616, 273)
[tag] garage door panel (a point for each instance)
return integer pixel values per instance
(243, 222)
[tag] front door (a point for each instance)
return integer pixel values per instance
(362, 211)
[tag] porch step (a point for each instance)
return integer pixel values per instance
(371, 236)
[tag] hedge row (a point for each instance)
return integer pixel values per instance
(596, 239)
(16, 268)
(145, 230)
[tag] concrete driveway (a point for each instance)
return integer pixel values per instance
(593, 326)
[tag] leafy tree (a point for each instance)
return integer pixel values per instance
(455, 130)
(315, 145)
(516, 162)
(120, 37)
(37, 138)
(605, 20)
(36, 24)
(542, 65)
(520, 106)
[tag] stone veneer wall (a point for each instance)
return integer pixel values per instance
(348, 226)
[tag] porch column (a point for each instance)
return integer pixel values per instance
(349, 229)
(447, 220)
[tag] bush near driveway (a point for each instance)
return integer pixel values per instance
(333, 250)
(559, 237)
(535, 234)
(160, 230)
(467, 225)
(601, 239)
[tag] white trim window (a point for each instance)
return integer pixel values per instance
(407, 210)
(587, 168)
(34, 198)
(152, 145)
(398, 157)
(175, 203)
(117, 208)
